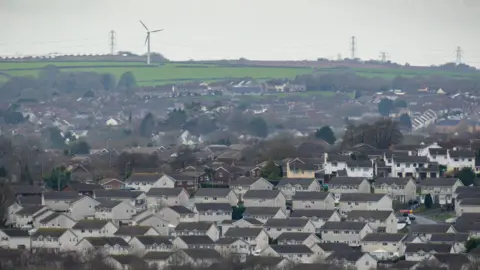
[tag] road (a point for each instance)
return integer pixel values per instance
(421, 220)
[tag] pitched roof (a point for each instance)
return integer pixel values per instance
(361, 197)
(83, 187)
(349, 256)
(310, 195)
(62, 195)
(127, 259)
(29, 210)
(143, 178)
(303, 182)
(192, 226)
(429, 228)
(461, 154)
(438, 182)
(245, 181)
(204, 207)
(107, 204)
(288, 222)
(452, 259)
(344, 180)
(149, 240)
(182, 210)
(343, 225)
(243, 232)
(92, 224)
(399, 181)
(103, 241)
(334, 247)
(449, 237)
(262, 194)
(51, 232)
(291, 249)
(296, 236)
(384, 237)
(26, 189)
(16, 233)
(196, 239)
(157, 255)
(367, 215)
(261, 211)
(132, 230)
(309, 213)
(213, 192)
(116, 193)
(201, 254)
(158, 192)
(427, 247)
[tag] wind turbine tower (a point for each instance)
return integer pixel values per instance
(147, 40)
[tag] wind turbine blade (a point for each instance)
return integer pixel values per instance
(146, 40)
(144, 25)
(156, 31)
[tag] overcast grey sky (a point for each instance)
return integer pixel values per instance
(415, 31)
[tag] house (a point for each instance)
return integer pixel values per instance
(59, 201)
(406, 166)
(162, 226)
(317, 217)
(353, 259)
(349, 232)
(399, 189)
(257, 238)
(420, 251)
(424, 231)
(199, 257)
(298, 170)
(294, 253)
(437, 154)
(268, 262)
(116, 211)
(159, 197)
(151, 243)
(467, 205)
(298, 238)
(275, 227)
(125, 261)
(264, 198)
(93, 228)
(459, 159)
(379, 221)
(457, 240)
(216, 195)
(57, 220)
(143, 182)
(213, 212)
(289, 186)
(232, 246)
(198, 228)
(82, 188)
(25, 216)
(452, 261)
(324, 249)
(83, 207)
(359, 168)
(176, 214)
(19, 191)
(264, 213)
(244, 184)
(335, 163)
(384, 246)
(193, 241)
(313, 200)
(341, 185)
(128, 232)
(364, 201)
(112, 183)
(104, 245)
(58, 239)
(187, 180)
(134, 197)
(440, 189)
(14, 239)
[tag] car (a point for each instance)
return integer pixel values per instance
(411, 217)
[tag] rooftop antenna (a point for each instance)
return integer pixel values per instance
(147, 40)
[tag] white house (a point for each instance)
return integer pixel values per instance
(334, 163)
(384, 246)
(317, 217)
(213, 212)
(60, 239)
(341, 185)
(57, 220)
(313, 200)
(59, 201)
(149, 243)
(345, 232)
(177, 214)
(459, 159)
(243, 184)
(289, 186)
(264, 198)
(159, 197)
(128, 232)
(114, 210)
(82, 208)
(144, 182)
(198, 228)
(216, 195)
(94, 228)
(163, 227)
(263, 214)
(105, 245)
(257, 238)
(364, 201)
(135, 197)
(295, 253)
(275, 227)
(14, 239)
(360, 168)
(379, 221)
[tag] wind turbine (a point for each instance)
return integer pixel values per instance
(147, 40)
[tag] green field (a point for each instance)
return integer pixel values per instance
(183, 72)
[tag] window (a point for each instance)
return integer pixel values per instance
(407, 165)
(398, 164)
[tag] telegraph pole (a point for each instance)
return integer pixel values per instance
(113, 42)
(383, 57)
(353, 47)
(459, 55)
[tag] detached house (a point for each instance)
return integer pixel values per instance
(441, 189)
(313, 200)
(406, 166)
(335, 163)
(384, 245)
(399, 189)
(244, 184)
(216, 195)
(59, 201)
(83, 207)
(296, 170)
(264, 198)
(289, 186)
(213, 212)
(159, 197)
(162, 226)
(24, 217)
(275, 227)
(233, 246)
(364, 201)
(347, 232)
(341, 185)
(57, 220)
(379, 221)
(128, 232)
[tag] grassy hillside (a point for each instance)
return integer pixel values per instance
(182, 72)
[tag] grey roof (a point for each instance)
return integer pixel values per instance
(261, 194)
(288, 222)
(449, 237)
(361, 197)
(93, 224)
(349, 256)
(107, 204)
(243, 232)
(62, 195)
(132, 230)
(467, 189)
(310, 195)
(245, 181)
(16, 233)
(159, 192)
(462, 154)
(200, 254)
(212, 192)
(26, 189)
(227, 240)
(437, 151)
(110, 241)
(252, 221)
(261, 211)
(127, 259)
(429, 228)
(83, 187)
(296, 236)
(359, 163)
(328, 247)
(384, 237)
(29, 210)
(452, 259)
(264, 261)
(182, 210)
(345, 180)
(343, 225)
(143, 178)
(366, 215)
(150, 240)
(291, 249)
(303, 182)
(317, 266)
(470, 201)
(438, 182)
(30, 200)
(427, 247)
(50, 218)
(193, 226)
(204, 207)
(44, 232)
(157, 255)
(196, 239)
(399, 181)
(116, 193)
(409, 159)
(309, 213)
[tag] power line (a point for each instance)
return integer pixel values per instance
(459, 55)
(353, 47)
(113, 37)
